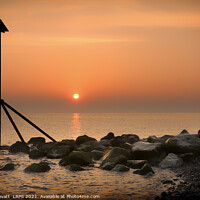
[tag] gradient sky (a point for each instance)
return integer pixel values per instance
(119, 55)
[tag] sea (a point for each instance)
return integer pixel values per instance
(92, 183)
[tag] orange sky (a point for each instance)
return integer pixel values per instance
(119, 55)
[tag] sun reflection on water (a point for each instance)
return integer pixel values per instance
(76, 125)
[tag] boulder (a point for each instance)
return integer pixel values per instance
(74, 167)
(19, 147)
(115, 152)
(34, 154)
(183, 143)
(114, 161)
(105, 143)
(164, 138)
(184, 132)
(37, 167)
(109, 136)
(125, 138)
(108, 166)
(136, 164)
(148, 151)
(91, 145)
(47, 146)
(97, 155)
(84, 138)
(144, 170)
(8, 167)
(4, 147)
(70, 143)
(171, 161)
(77, 157)
(152, 139)
(120, 168)
(36, 141)
(187, 157)
(59, 151)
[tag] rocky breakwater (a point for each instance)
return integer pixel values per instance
(113, 153)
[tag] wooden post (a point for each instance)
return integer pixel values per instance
(27, 120)
(13, 123)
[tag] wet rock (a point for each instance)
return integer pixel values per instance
(77, 157)
(152, 139)
(184, 143)
(187, 157)
(125, 138)
(47, 146)
(136, 164)
(97, 155)
(36, 141)
(115, 152)
(4, 147)
(37, 167)
(19, 147)
(59, 151)
(34, 154)
(84, 138)
(108, 166)
(70, 143)
(109, 136)
(120, 168)
(148, 151)
(144, 170)
(184, 132)
(91, 145)
(171, 161)
(74, 167)
(105, 143)
(164, 138)
(126, 146)
(8, 167)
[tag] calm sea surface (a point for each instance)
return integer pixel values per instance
(71, 125)
(94, 181)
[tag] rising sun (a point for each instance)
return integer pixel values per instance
(76, 96)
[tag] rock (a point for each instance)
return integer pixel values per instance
(164, 138)
(84, 138)
(36, 154)
(70, 143)
(36, 141)
(114, 161)
(120, 168)
(187, 157)
(8, 167)
(171, 161)
(59, 151)
(37, 167)
(97, 155)
(167, 182)
(199, 133)
(152, 139)
(115, 152)
(109, 136)
(183, 143)
(144, 170)
(105, 143)
(74, 167)
(119, 140)
(77, 157)
(148, 151)
(19, 147)
(184, 132)
(4, 147)
(108, 166)
(136, 164)
(47, 146)
(91, 145)
(126, 146)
